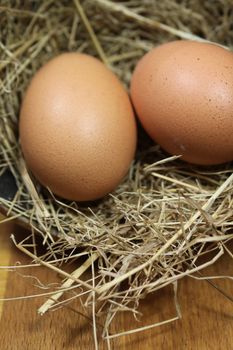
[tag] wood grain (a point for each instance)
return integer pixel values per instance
(207, 316)
(5, 255)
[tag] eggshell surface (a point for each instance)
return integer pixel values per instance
(77, 127)
(182, 92)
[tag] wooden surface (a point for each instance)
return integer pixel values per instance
(207, 316)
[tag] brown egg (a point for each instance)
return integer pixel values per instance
(183, 94)
(77, 127)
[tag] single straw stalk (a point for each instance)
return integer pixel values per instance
(52, 267)
(112, 6)
(68, 283)
(91, 32)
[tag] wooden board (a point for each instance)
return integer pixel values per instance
(207, 316)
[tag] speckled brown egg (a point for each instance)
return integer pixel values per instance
(77, 127)
(183, 94)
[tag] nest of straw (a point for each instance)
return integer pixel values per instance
(166, 214)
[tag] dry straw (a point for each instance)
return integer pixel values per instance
(166, 214)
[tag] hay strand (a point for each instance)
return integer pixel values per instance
(91, 32)
(68, 283)
(112, 6)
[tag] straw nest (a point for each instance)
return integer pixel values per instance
(166, 214)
